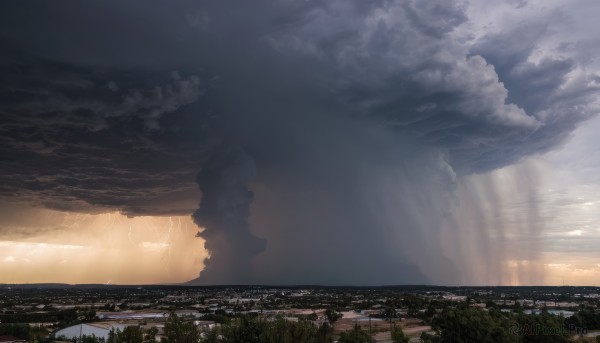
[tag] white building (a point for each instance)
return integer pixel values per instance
(99, 330)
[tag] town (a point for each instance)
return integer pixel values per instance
(108, 313)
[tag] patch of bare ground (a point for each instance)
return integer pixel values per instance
(381, 329)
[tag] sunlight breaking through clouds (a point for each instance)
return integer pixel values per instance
(84, 248)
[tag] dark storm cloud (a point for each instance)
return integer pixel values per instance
(108, 138)
(225, 206)
(551, 89)
(318, 107)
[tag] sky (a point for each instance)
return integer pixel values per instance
(338, 142)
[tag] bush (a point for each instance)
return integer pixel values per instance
(355, 336)
(398, 336)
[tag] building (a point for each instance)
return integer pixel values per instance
(99, 330)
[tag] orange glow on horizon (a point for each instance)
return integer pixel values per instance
(103, 248)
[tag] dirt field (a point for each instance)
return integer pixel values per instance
(346, 324)
(381, 328)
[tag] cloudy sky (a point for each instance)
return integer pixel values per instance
(300, 142)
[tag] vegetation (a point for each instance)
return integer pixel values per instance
(23, 331)
(64, 318)
(178, 330)
(355, 336)
(332, 315)
(469, 324)
(586, 317)
(254, 330)
(131, 334)
(398, 336)
(246, 314)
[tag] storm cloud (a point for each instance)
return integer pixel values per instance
(320, 138)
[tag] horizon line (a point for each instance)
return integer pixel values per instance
(186, 284)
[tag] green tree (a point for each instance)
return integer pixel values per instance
(398, 336)
(114, 336)
(22, 331)
(178, 330)
(586, 317)
(88, 316)
(518, 308)
(467, 324)
(249, 329)
(325, 333)
(150, 337)
(132, 334)
(355, 336)
(332, 316)
(390, 313)
(91, 339)
(212, 336)
(542, 328)
(245, 329)
(284, 331)
(429, 338)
